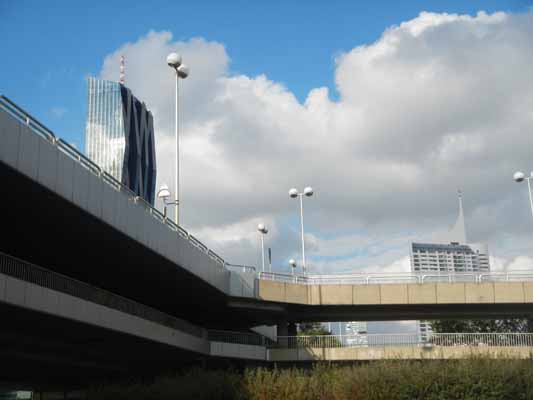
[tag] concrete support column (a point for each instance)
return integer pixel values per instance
(291, 328)
(529, 324)
(283, 331)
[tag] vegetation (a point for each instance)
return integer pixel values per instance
(312, 329)
(460, 379)
(481, 325)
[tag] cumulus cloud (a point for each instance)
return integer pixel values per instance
(57, 112)
(440, 102)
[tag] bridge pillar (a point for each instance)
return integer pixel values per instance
(291, 328)
(529, 324)
(283, 332)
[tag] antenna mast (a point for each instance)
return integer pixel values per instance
(122, 71)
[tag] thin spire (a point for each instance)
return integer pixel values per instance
(458, 233)
(122, 77)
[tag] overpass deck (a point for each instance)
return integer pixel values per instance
(365, 347)
(67, 214)
(391, 298)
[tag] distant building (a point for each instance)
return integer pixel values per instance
(454, 255)
(119, 136)
(446, 258)
(356, 332)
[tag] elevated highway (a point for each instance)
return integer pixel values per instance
(64, 213)
(61, 211)
(455, 296)
(340, 348)
(132, 288)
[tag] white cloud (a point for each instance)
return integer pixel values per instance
(58, 111)
(439, 102)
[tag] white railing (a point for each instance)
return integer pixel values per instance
(412, 340)
(407, 277)
(248, 269)
(38, 128)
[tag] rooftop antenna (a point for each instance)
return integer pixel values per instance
(122, 71)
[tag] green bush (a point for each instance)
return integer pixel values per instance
(469, 379)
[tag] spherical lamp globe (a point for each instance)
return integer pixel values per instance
(519, 176)
(174, 60)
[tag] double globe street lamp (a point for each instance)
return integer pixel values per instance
(293, 193)
(520, 177)
(182, 72)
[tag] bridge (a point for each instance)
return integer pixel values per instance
(367, 347)
(379, 297)
(94, 279)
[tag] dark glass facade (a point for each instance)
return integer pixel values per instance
(120, 136)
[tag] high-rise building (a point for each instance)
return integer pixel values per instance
(451, 254)
(105, 141)
(120, 136)
(446, 258)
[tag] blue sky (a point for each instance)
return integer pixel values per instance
(49, 47)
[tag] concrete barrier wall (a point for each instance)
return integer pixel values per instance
(241, 351)
(378, 294)
(382, 353)
(43, 162)
(242, 284)
(37, 298)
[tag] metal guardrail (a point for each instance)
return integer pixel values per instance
(242, 268)
(31, 273)
(409, 340)
(366, 279)
(25, 118)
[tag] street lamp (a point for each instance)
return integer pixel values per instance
(182, 71)
(164, 194)
(262, 231)
(293, 193)
(292, 263)
(520, 177)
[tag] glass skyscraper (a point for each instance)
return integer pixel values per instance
(105, 138)
(120, 136)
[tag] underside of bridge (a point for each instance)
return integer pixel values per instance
(41, 227)
(273, 312)
(44, 350)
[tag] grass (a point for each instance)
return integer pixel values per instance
(469, 379)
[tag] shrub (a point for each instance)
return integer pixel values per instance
(476, 378)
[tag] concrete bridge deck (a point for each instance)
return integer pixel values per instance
(397, 293)
(366, 347)
(400, 301)
(63, 212)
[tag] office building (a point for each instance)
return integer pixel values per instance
(120, 136)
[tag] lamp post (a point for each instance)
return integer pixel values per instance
(182, 71)
(520, 177)
(293, 193)
(164, 193)
(262, 232)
